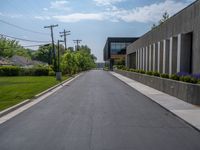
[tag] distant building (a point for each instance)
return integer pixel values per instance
(115, 50)
(172, 47)
(100, 65)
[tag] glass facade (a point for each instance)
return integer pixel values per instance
(118, 48)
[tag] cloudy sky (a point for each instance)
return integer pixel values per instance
(92, 21)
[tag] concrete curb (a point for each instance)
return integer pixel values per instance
(15, 107)
(51, 88)
(174, 102)
(10, 109)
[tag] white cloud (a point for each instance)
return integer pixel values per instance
(145, 14)
(45, 9)
(42, 17)
(79, 17)
(61, 5)
(107, 2)
(152, 12)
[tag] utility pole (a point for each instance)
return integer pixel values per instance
(54, 52)
(77, 42)
(58, 72)
(65, 33)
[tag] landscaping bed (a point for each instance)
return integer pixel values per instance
(188, 92)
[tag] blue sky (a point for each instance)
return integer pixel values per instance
(92, 21)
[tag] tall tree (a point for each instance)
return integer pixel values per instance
(75, 61)
(43, 53)
(8, 48)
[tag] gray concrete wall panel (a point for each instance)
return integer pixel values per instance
(185, 91)
(186, 21)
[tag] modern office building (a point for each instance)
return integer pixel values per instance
(115, 50)
(173, 46)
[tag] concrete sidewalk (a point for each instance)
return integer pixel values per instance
(188, 112)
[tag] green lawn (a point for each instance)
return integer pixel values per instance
(16, 89)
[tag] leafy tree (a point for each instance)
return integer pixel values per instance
(43, 53)
(81, 60)
(85, 48)
(70, 49)
(68, 63)
(24, 52)
(8, 48)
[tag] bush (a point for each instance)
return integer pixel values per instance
(127, 69)
(156, 74)
(120, 67)
(149, 73)
(188, 79)
(17, 71)
(9, 71)
(164, 75)
(41, 71)
(26, 72)
(198, 82)
(137, 70)
(132, 70)
(51, 72)
(142, 71)
(174, 77)
(105, 69)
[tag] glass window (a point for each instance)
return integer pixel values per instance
(118, 48)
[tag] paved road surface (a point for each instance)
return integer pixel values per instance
(97, 112)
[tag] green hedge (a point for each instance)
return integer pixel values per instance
(17, 71)
(9, 71)
(188, 79)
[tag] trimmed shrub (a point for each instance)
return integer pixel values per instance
(52, 73)
(26, 72)
(41, 71)
(174, 77)
(132, 70)
(198, 82)
(120, 67)
(138, 71)
(142, 71)
(164, 76)
(17, 71)
(9, 71)
(188, 79)
(157, 74)
(149, 73)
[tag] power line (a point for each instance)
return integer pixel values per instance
(65, 33)
(35, 45)
(77, 43)
(16, 26)
(54, 52)
(22, 39)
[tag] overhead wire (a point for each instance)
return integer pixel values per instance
(25, 29)
(35, 45)
(23, 39)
